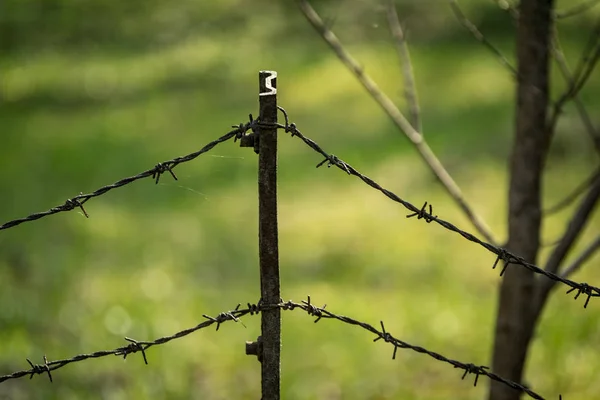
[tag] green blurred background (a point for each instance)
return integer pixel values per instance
(92, 91)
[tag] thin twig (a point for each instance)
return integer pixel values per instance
(550, 243)
(471, 27)
(582, 258)
(559, 57)
(576, 225)
(582, 187)
(563, 66)
(578, 9)
(410, 88)
(586, 65)
(398, 118)
(509, 7)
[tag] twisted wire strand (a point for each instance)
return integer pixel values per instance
(160, 168)
(426, 213)
(468, 368)
(134, 346)
(320, 313)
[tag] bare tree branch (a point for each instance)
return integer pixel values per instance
(583, 257)
(548, 243)
(506, 5)
(574, 229)
(558, 55)
(465, 22)
(560, 60)
(575, 226)
(587, 63)
(582, 187)
(410, 88)
(566, 73)
(398, 118)
(578, 9)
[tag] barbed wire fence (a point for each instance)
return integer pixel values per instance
(135, 346)
(261, 135)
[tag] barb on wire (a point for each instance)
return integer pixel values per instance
(469, 368)
(501, 253)
(160, 168)
(40, 369)
(134, 346)
(423, 214)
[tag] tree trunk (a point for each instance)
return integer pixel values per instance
(516, 318)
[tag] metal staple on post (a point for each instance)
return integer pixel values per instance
(268, 236)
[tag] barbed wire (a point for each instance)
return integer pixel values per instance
(254, 125)
(426, 213)
(160, 168)
(320, 313)
(468, 368)
(134, 346)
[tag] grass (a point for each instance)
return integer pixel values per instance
(153, 258)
